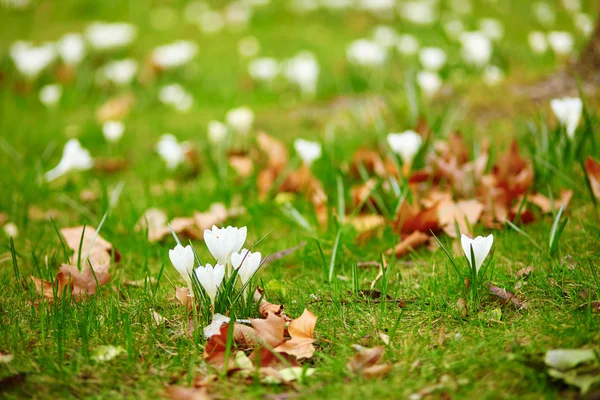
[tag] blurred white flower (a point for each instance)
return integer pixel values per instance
(31, 60)
(405, 144)
(240, 120)
(74, 158)
(419, 12)
(170, 150)
(568, 113)
(217, 132)
(113, 131)
(107, 36)
(433, 58)
(16, 4)
(492, 75)
(175, 54)
(71, 48)
(584, 23)
(303, 70)
(366, 53)
(454, 28)
(537, 42)
(572, 5)
(476, 48)
(492, 28)
(183, 260)
(248, 46)
(481, 248)
(307, 150)
(238, 14)
(561, 42)
(176, 96)
(120, 72)
(222, 242)
(50, 94)
(211, 278)
(429, 82)
(544, 13)
(407, 45)
(378, 7)
(11, 230)
(264, 69)
(246, 263)
(211, 21)
(385, 36)
(462, 7)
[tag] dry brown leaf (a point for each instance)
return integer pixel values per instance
(87, 280)
(183, 295)
(365, 362)
(110, 165)
(545, 204)
(592, 167)
(367, 222)
(265, 308)
(269, 330)
(72, 238)
(185, 393)
(214, 351)
(408, 244)
(370, 160)
(523, 272)
(464, 213)
(242, 164)
(3, 218)
(461, 305)
(412, 217)
(377, 370)
(277, 155)
(301, 331)
(116, 108)
(506, 295)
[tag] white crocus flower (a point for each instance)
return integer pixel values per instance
(366, 53)
(584, 23)
(222, 242)
(211, 278)
(492, 75)
(107, 36)
(481, 248)
(120, 72)
(476, 48)
(544, 13)
(11, 230)
(218, 321)
(491, 28)
(113, 131)
(303, 70)
(429, 82)
(248, 46)
(264, 69)
(183, 260)
(170, 150)
(405, 144)
(307, 150)
(50, 94)
(176, 96)
(31, 60)
(74, 157)
(217, 132)
(568, 112)
(454, 28)
(175, 54)
(385, 36)
(419, 12)
(537, 42)
(433, 58)
(246, 263)
(560, 42)
(407, 45)
(240, 120)
(71, 48)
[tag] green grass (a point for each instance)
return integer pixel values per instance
(53, 344)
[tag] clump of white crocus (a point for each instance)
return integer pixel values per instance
(308, 151)
(74, 158)
(491, 28)
(50, 94)
(303, 70)
(217, 132)
(476, 48)
(481, 248)
(560, 42)
(175, 54)
(366, 53)
(429, 82)
(264, 69)
(170, 150)
(492, 75)
(385, 36)
(211, 278)
(31, 60)
(120, 72)
(176, 96)
(71, 48)
(433, 58)
(113, 131)
(240, 120)
(537, 42)
(222, 242)
(568, 113)
(183, 260)
(246, 264)
(405, 144)
(11, 230)
(104, 36)
(407, 45)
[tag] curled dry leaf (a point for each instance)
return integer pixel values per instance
(110, 165)
(464, 213)
(183, 295)
(592, 168)
(301, 331)
(545, 204)
(184, 393)
(461, 305)
(365, 362)
(91, 242)
(116, 108)
(506, 295)
(269, 330)
(265, 308)
(410, 243)
(242, 164)
(413, 217)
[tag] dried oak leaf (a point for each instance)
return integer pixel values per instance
(93, 274)
(183, 295)
(545, 204)
(242, 164)
(185, 393)
(592, 167)
(506, 295)
(408, 244)
(464, 213)
(269, 330)
(265, 308)
(413, 217)
(72, 238)
(301, 331)
(365, 361)
(116, 108)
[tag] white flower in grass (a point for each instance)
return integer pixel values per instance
(454, 28)
(561, 42)
(120, 72)
(170, 150)
(303, 70)
(31, 60)
(405, 144)
(572, 5)
(211, 278)
(175, 54)
(71, 48)
(107, 36)
(492, 75)
(476, 48)
(544, 13)
(246, 263)
(433, 58)
(183, 260)
(584, 23)
(418, 12)
(11, 230)
(385, 36)
(492, 28)
(366, 53)
(568, 112)
(407, 45)
(537, 42)
(237, 15)
(211, 21)
(481, 248)
(74, 158)
(218, 321)
(429, 82)
(113, 131)
(176, 96)
(50, 94)
(240, 120)
(307, 150)
(222, 242)
(264, 69)
(217, 132)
